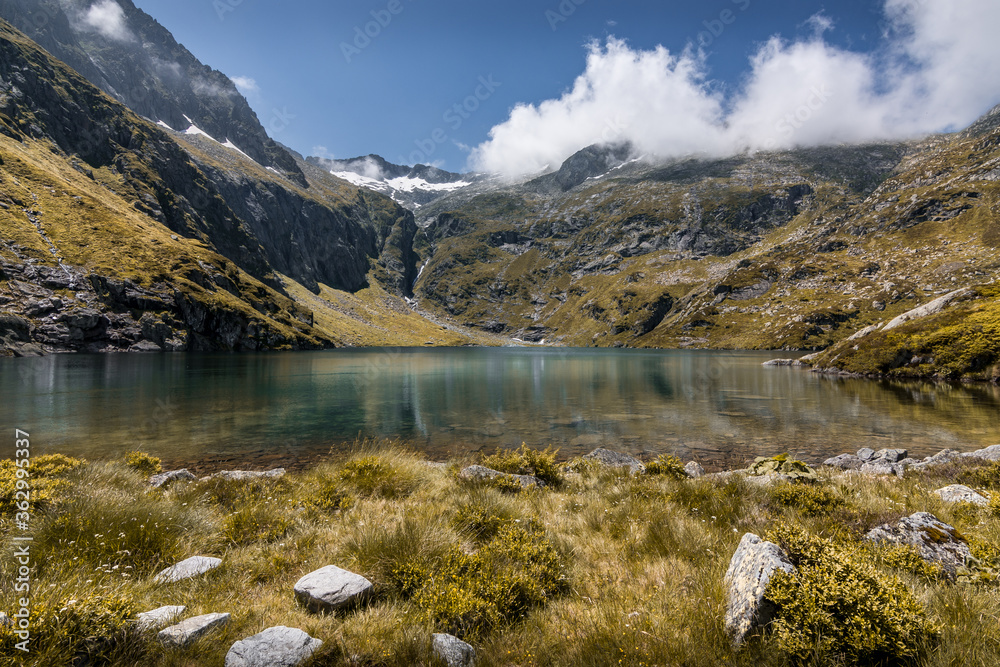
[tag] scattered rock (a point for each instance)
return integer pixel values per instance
(844, 462)
(866, 454)
(331, 588)
(243, 475)
(750, 570)
(482, 472)
(189, 630)
(891, 455)
(937, 542)
(275, 647)
(881, 467)
(159, 618)
(453, 651)
(694, 469)
(957, 493)
(987, 454)
(942, 457)
(163, 478)
(611, 459)
(192, 567)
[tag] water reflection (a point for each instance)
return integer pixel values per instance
(718, 407)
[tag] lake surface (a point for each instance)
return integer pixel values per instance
(216, 411)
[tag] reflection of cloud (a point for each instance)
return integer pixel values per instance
(938, 69)
(246, 84)
(107, 18)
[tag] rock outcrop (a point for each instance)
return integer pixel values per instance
(754, 563)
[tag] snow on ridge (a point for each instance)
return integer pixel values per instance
(401, 184)
(162, 124)
(233, 146)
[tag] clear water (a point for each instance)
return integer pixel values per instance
(212, 411)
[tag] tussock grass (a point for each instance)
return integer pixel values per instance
(605, 568)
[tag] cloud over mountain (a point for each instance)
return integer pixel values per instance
(107, 18)
(937, 68)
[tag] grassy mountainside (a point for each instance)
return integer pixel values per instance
(795, 250)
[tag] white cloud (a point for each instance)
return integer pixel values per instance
(107, 18)
(323, 152)
(246, 84)
(938, 69)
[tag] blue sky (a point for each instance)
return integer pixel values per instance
(395, 93)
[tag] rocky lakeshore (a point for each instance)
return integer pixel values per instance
(380, 558)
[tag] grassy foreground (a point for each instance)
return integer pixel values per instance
(599, 568)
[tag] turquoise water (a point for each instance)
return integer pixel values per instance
(288, 408)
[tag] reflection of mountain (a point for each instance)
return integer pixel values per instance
(715, 407)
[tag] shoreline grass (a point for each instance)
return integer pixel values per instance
(598, 568)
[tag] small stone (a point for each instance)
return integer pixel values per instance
(243, 475)
(331, 588)
(279, 646)
(891, 455)
(957, 493)
(611, 459)
(190, 630)
(844, 462)
(866, 454)
(482, 472)
(937, 542)
(160, 618)
(453, 651)
(749, 573)
(694, 469)
(6, 620)
(192, 567)
(183, 475)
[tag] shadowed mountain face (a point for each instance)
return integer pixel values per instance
(138, 62)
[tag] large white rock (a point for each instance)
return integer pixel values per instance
(243, 475)
(330, 588)
(750, 570)
(452, 650)
(191, 567)
(189, 630)
(932, 308)
(160, 618)
(275, 647)
(937, 542)
(957, 493)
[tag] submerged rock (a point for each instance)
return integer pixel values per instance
(330, 588)
(750, 570)
(611, 459)
(937, 542)
(279, 646)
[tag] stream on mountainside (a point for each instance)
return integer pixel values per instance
(219, 411)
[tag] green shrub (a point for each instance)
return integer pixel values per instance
(906, 558)
(526, 461)
(838, 606)
(470, 595)
(398, 558)
(669, 466)
(233, 494)
(376, 476)
(258, 523)
(981, 476)
(329, 497)
(483, 517)
(809, 500)
(45, 481)
(143, 463)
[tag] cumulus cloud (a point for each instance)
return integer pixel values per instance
(107, 18)
(938, 69)
(246, 84)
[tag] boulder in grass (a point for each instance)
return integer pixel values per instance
(164, 478)
(191, 567)
(275, 647)
(453, 651)
(881, 468)
(694, 470)
(754, 563)
(937, 542)
(957, 493)
(244, 475)
(611, 459)
(190, 630)
(160, 618)
(942, 457)
(330, 588)
(482, 472)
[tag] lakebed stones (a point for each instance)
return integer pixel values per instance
(750, 570)
(279, 646)
(482, 472)
(160, 618)
(189, 630)
(164, 478)
(611, 459)
(957, 493)
(330, 588)
(937, 542)
(192, 567)
(452, 650)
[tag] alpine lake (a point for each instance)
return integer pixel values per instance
(235, 411)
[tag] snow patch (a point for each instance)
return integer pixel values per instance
(162, 124)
